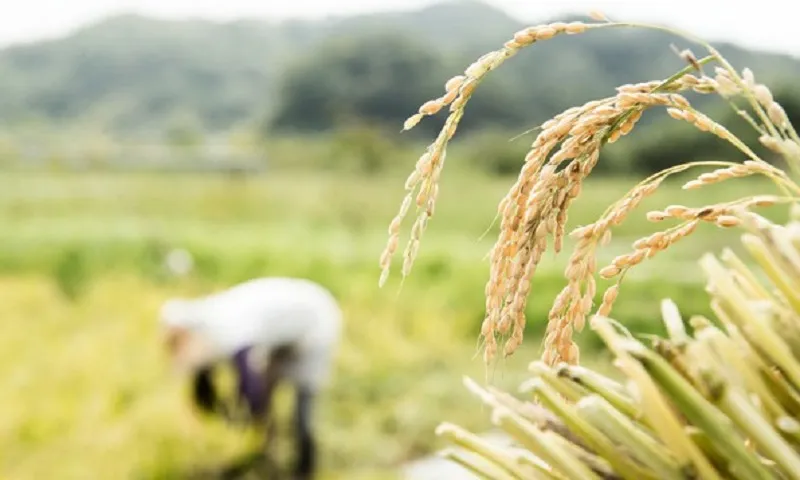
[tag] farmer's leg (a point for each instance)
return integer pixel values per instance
(306, 463)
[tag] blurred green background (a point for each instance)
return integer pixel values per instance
(274, 149)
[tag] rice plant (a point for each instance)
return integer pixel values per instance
(718, 397)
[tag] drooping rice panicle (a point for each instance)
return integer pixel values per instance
(717, 398)
(534, 213)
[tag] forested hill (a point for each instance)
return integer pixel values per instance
(133, 74)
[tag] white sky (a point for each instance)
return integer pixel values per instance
(765, 24)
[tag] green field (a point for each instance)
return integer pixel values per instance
(86, 389)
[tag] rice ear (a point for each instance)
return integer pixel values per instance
(564, 153)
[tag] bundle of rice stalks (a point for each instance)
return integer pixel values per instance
(719, 402)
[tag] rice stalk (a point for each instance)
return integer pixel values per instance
(717, 398)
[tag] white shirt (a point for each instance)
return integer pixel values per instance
(266, 312)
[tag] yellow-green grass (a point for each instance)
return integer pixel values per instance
(87, 392)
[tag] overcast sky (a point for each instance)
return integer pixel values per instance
(762, 24)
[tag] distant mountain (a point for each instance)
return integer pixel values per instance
(132, 74)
